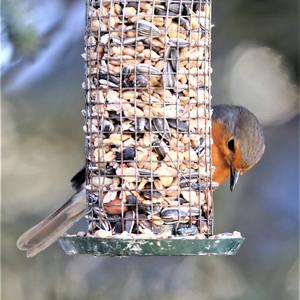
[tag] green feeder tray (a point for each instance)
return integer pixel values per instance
(73, 245)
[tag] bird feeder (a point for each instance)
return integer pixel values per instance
(148, 131)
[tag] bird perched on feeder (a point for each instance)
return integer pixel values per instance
(238, 144)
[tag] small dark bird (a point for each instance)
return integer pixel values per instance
(238, 144)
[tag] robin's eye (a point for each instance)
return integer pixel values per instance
(230, 145)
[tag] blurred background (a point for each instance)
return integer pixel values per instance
(256, 64)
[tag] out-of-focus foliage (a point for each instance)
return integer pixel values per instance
(255, 61)
(19, 28)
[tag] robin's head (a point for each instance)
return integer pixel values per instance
(239, 138)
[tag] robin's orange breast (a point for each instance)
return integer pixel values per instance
(222, 168)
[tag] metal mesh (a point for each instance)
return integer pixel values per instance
(148, 118)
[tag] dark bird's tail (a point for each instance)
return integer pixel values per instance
(45, 233)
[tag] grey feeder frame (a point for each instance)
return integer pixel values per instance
(148, 131)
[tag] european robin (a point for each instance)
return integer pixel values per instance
(238, 144)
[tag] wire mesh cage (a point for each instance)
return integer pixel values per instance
(148, 127)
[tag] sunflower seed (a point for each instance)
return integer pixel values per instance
(140, 124)
(147, 29)
(145, 68)
(129, 223)
(160, 148)
(180, 43)
(177, 124)
(169, 78)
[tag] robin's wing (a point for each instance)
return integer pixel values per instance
(78, 179)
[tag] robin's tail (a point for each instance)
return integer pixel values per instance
(55, 225)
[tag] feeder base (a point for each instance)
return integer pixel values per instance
(73, 245)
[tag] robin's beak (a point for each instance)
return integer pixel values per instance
(234, 177)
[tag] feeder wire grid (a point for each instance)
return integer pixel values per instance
(148, 120)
